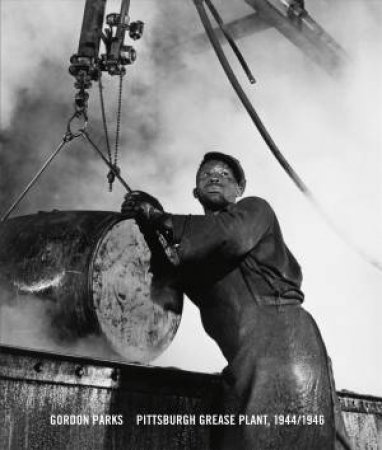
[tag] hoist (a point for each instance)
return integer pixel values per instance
(88, 65)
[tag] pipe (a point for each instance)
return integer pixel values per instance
(91, 31)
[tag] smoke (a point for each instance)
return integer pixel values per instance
(28, 321)
(177, 105)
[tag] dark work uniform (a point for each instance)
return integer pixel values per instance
(235, 266)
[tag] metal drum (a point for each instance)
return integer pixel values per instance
(99, 273)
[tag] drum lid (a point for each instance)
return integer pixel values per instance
(137, 307)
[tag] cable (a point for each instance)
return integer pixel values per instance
(267, 137)
(231, 41)
(104, 159)
(245, 100)
(67, 138)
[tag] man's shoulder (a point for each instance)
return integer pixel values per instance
(254, 202)
(254, 209)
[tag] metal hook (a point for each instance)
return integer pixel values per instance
(77, 115)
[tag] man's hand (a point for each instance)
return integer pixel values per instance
(142, 205)
(148, 210)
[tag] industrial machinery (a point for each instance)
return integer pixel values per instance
(293, 21)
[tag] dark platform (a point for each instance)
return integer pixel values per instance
(36, 385)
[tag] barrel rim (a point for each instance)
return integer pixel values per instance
(110, 223)
(100, 239)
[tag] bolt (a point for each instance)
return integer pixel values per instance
(38, 367)
(79, 371)
(114, 375)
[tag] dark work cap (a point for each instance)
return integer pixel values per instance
(232, 162)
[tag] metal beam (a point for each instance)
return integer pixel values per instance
(91, 31)
(238, 29)
(306, 34)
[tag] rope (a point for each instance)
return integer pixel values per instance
(267, 137)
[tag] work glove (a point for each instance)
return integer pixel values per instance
(141, 205)
(148, 211)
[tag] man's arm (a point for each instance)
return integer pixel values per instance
(224, 237)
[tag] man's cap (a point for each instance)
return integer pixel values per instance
(232, 162)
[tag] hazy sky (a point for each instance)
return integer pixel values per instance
(178, 105)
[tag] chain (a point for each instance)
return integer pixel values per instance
(100, 88)
(112, 168)
(118, 128)
(112, 173)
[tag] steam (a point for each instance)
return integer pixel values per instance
(30, 322)
(179, 105)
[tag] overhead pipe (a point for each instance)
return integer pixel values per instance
(91, 30)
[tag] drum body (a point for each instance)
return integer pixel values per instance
(99, 275)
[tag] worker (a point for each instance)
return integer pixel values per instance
(233, 263)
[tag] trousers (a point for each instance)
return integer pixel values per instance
(280, 384)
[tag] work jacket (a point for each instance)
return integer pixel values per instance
(232, 260)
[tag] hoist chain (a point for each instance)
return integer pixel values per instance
(100, 87)
(88, 64)
(119, 111)
(114, 161)
(105, 160)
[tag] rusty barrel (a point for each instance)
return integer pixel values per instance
(100, 275)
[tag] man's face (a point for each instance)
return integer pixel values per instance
(216, 185)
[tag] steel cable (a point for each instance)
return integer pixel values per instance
(67, 138)
(111, 166)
